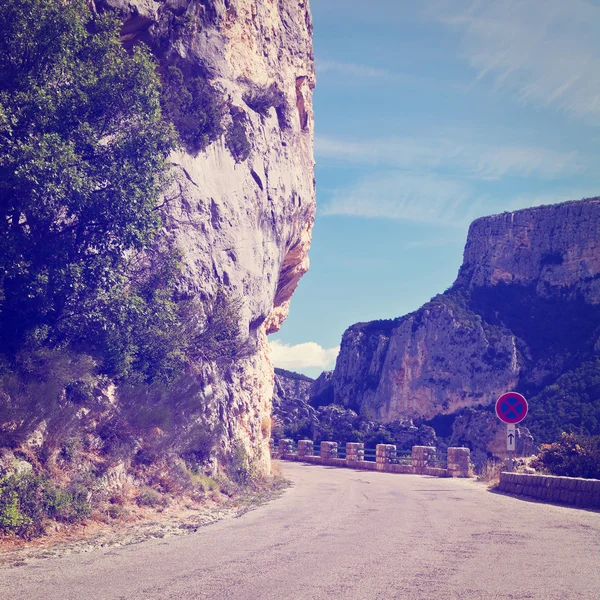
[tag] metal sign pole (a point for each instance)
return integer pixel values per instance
(511, 408)
(511, 438)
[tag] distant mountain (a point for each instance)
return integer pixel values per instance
(523, 314)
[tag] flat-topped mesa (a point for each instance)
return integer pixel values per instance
(241, 216)
(523, 310)
(554, 248)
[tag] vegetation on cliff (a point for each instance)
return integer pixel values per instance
(571, 404)
(83, 148)
(87, 281)
(193, 106)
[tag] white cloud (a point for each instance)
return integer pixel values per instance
(427, 198)
(302, 356)
(397, 195)
(547, 53)
(472, 159)
(342, 68)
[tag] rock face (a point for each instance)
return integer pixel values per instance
(524, 309)
(555, 249)
(485, 434)
(240, 226)
(295, 418)
(290, 399)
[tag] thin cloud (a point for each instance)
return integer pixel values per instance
(545, 53)
(355, 70)
(472, 159)
(433, 200)
(396, 195)
(302, 356)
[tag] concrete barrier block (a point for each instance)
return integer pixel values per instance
(285, 446)
(459, 462)
(306, 448)
(329, 450)
(355, 452)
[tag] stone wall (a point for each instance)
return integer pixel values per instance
(386, 458)
(568, 490)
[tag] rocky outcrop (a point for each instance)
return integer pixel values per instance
(555, 249)
(524, 309)
(295, 418)
(244, 226)
(436, 360)
(290, 400)
(485, 435)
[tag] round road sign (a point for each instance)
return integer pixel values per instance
(511, 407)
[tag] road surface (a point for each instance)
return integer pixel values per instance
(340, 533)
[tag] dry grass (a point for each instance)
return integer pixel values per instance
(490, 472)
(276, 469)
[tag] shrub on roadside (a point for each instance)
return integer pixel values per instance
(28, 501)
(573, 456)
(490, 471)
(150, 497)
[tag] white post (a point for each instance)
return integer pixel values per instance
(511, 438)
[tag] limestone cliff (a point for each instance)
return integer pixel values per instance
(525, 308)
(244, 226)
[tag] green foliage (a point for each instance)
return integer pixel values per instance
(571, 403)
(236, 140)
(150, 497)
(27, 501)
(293, 375)
(573, 456)
(240, 468)
(193, 106)
(34, 392)
(137, 329)
(552, 328)
(83, 150)
(262, 99)
(166, 419)
(202, 482)
(217, 336)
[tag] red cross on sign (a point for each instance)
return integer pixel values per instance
(511, 407)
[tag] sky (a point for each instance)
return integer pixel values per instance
(428, 115)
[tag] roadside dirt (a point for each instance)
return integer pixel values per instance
(141, 523)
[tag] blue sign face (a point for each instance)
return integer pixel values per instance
(511, 407)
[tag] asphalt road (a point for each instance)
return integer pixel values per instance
(339, 533)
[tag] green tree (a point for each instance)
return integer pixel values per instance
(193, 106)
(83, 150)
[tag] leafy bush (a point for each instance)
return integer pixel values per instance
(193, 106)
(216, 335)
(27, 501)
(240, 469)
(150, 497)
(34, 393)
(236, 140)
(573, 456)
